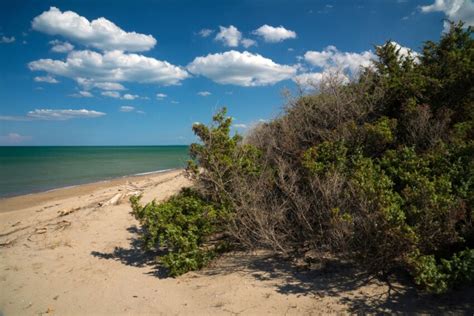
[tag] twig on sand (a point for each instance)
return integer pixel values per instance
(14, 231)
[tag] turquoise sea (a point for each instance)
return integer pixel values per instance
(34, 169)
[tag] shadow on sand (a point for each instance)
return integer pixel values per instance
(135, 255)
(346, 284)
(338, 280)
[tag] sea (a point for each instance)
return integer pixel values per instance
(25, 170)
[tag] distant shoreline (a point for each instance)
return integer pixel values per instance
(29, 170)
(86, 183)
(17, 202)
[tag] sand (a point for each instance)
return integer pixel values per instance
(75, 251)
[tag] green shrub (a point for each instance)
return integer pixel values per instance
(181, 225)
(379, 171)
(439, 276)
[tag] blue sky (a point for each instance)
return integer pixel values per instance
(142, 72)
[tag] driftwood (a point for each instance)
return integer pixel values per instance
(67, 212)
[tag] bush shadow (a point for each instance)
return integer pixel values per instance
(360, 292)
(135, 255)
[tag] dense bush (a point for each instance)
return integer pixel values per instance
(182, 225)
(379, 171)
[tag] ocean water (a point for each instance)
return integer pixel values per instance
(34, 169)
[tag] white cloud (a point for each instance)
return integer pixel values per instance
(273, 34)
(48, 79)
(332, 64)
(309, 79)
(332, 58)
(99, 33)
(61, 47)
(247, 42)
(242, 69)
(54, 115)
(230, 36)
(204, 93)
(82, 94)
(312, 80)
(128, 96)
(175, 102)
(161, 96)
(243, 126)
(13, 138)
(405, 51)
(109, 86)
(117, 95)
(48, 114)
(111, 94)
(112, 66)
(205, 32)
(338, 65)
(7, 40)
(88, 84)
(126, 108)
(455, 10)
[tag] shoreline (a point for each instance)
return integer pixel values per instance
(18, 202)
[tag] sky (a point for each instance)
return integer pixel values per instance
(143, 72)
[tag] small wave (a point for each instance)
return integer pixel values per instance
(151, 172)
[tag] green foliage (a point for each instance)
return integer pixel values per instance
(220, 157)
(407, 165)
(380, 171)
(438, 277)
(181, 225)
(325, 157)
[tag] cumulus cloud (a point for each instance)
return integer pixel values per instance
(128, 96)
(312, 80)
(232, 37)
(6, 39)
(112, 66)
(61, 115)
(111, 94)
(242, 69)
(309, 79)
(54, 115)
(229, 36)
(82, 94)
(117, 95)
(332, 63)
(99, 33)
(161, 96)
(61, 47)
(405, 51)
(338, 65)
(332, 58)
(204, 93)
(247, 42)
(13, 138)
(88, 84)
(455, 10)
(243, 126)
(273, 34)
(205, 32)
(47, 79)
(127, 108)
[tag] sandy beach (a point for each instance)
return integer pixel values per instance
(75, 251)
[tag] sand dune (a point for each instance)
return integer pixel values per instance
(75, 252)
